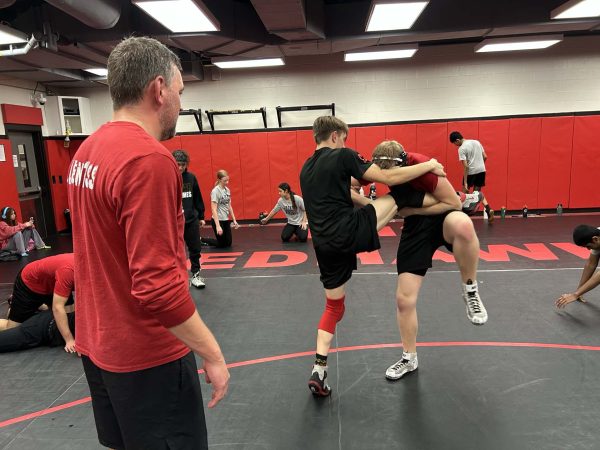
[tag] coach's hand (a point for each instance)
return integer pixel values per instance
(437, 168)
(217, 374)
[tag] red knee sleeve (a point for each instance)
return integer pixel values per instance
(334, 311)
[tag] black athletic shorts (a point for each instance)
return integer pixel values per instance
(477, 179)
(25, 302)
(336, 262)
(421, 237)
(407, 196)
(152, 409)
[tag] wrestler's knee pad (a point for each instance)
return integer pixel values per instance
(334, 311)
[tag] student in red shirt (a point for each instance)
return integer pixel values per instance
(49, 282)
(137, 325)
(428, 225)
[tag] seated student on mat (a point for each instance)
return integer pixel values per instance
(589, 237)
(292, 206)
(428, 224)
(15, 236)
(340, 232)
(40, 329)
(48, 281)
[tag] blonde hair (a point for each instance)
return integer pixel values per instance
(387, 149)
(325, 125)
(221, 174)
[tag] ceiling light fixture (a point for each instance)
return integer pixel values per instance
(394, 14)
(9, 36)
(229, 63)
(180, 16)
(383, 52)
(98, 72)
(574, 9)
(518, 43)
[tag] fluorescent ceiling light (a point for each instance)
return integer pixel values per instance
(225, 63)
(394, 15)
(576, 8)
(387, 52)
(9, 35)
(180, 16)
(518, 43)
(99, 72)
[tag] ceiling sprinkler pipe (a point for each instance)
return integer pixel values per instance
(20, 50)
(100, 14)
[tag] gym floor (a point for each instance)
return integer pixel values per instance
(528, 379)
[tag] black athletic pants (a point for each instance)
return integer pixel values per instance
(191, 236)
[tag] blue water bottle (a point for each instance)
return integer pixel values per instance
(559, 209)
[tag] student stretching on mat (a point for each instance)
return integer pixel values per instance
(50, 282)
(292, 206)
(338, 230)
(589, 237)
(428, 224)
(40, 329)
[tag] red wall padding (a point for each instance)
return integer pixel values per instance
(454, 168)
(9, 195)
(225, 154)
(283, 162)
(405, 134)
(198, 147)
(173, 143)
(535, 161)
(254, 159)
(367, 139)
(554, 176)
(305, 146)
(431, 140)
(524, 138)
(585, 163)
(493, 135)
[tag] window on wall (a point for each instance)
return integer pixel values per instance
(24, 166)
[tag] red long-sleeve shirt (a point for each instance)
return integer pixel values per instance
(131, 282)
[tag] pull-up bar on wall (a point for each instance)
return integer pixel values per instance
(193, 112)
(211, 114)
(281, 109)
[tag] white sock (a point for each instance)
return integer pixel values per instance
(409, 356)
(471, 287)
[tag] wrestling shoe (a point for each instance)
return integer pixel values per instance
(471, 202)
(401, 368)
(318, 381)
(476, 312)
(197, 281)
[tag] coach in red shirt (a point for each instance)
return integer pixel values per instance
(136, 321)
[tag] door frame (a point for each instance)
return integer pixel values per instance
(42, 169)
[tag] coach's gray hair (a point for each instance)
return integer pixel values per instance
(133, 63)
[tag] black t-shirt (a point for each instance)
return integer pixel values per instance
(325, 184)
(193, 205)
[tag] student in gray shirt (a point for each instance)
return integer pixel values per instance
(220, 206)
(292, 206)
(473, 157)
